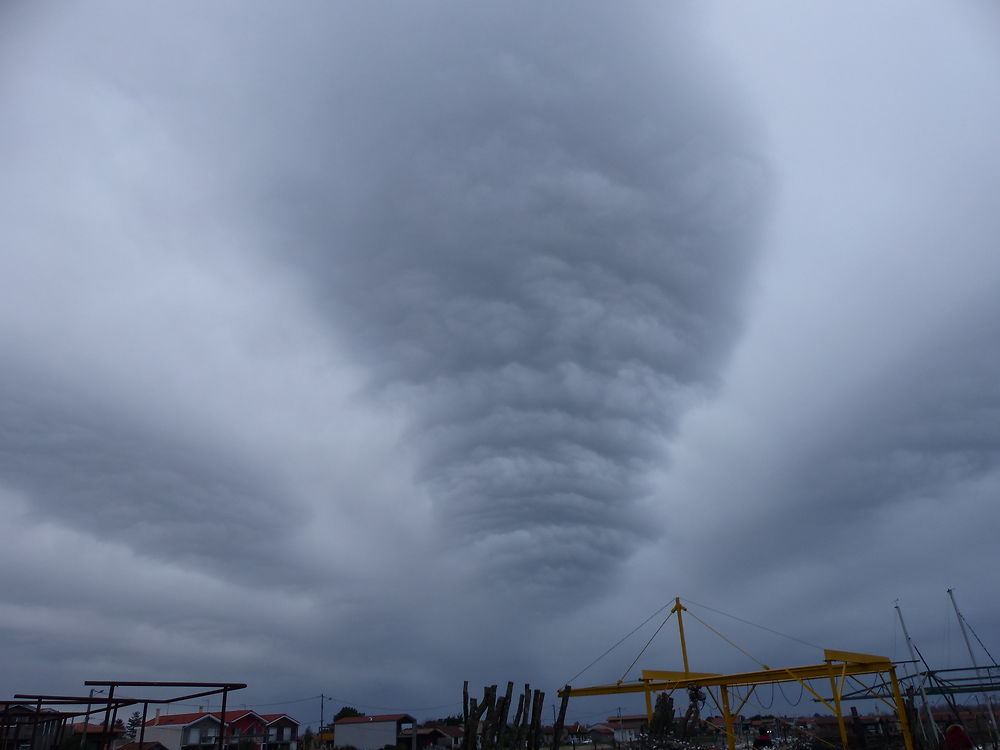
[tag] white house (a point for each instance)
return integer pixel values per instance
(370, 732)
(183, 730)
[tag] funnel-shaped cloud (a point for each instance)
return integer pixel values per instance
(537, 235)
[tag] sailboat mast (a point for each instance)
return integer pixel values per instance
(920, 683)
(979, 676)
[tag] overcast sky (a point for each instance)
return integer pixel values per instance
(363, 349)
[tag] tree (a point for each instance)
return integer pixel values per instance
(132, 728)
(347, 712)
(663, 717)
(446, 721)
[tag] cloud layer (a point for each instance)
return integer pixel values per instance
(364, 350)
(540, 250)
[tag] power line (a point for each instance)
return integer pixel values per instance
(355, 704)
(286, 703)
(344, 701)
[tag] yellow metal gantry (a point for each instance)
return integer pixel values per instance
(837, 667)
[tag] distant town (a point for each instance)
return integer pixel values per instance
(101, 721)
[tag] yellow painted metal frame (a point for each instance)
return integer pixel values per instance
(837, 666)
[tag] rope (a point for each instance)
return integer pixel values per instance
(572, 679)
(980, 642)
(639, 656)
(738, 648)
(802, 690)
(771, 703)
(754, 624)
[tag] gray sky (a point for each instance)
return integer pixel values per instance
(367, 349)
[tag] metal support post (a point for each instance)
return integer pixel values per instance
(678, 608)
(904, 721)
(840, 714)
(727, 717)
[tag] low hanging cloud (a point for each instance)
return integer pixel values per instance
(246, 254)
(539, 241)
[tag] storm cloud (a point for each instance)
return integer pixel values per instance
(538, 240)
(366, 349)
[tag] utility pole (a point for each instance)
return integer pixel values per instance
(322, 703)
(979, 675)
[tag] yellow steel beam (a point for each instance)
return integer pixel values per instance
(782, 674)
(830, 654)
(667, 674)
(837, 688)
(749, 695)
(727, 717)
(904, 721)
(678, 608)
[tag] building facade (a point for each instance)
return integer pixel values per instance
(371, 732)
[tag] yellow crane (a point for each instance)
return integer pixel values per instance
(838, 667)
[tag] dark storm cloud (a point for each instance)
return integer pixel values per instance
(532, 226)
(86, 462)
(162, 443)
(430, 313)
(922, 429)
(537, 234)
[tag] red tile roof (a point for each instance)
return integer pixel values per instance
(165, 720)
(236, 715)
(271, 718)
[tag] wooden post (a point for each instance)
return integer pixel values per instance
(503, 713)
(489, 726)
(470, 728)
(536, 720)
(558, 728)
(522, 721)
